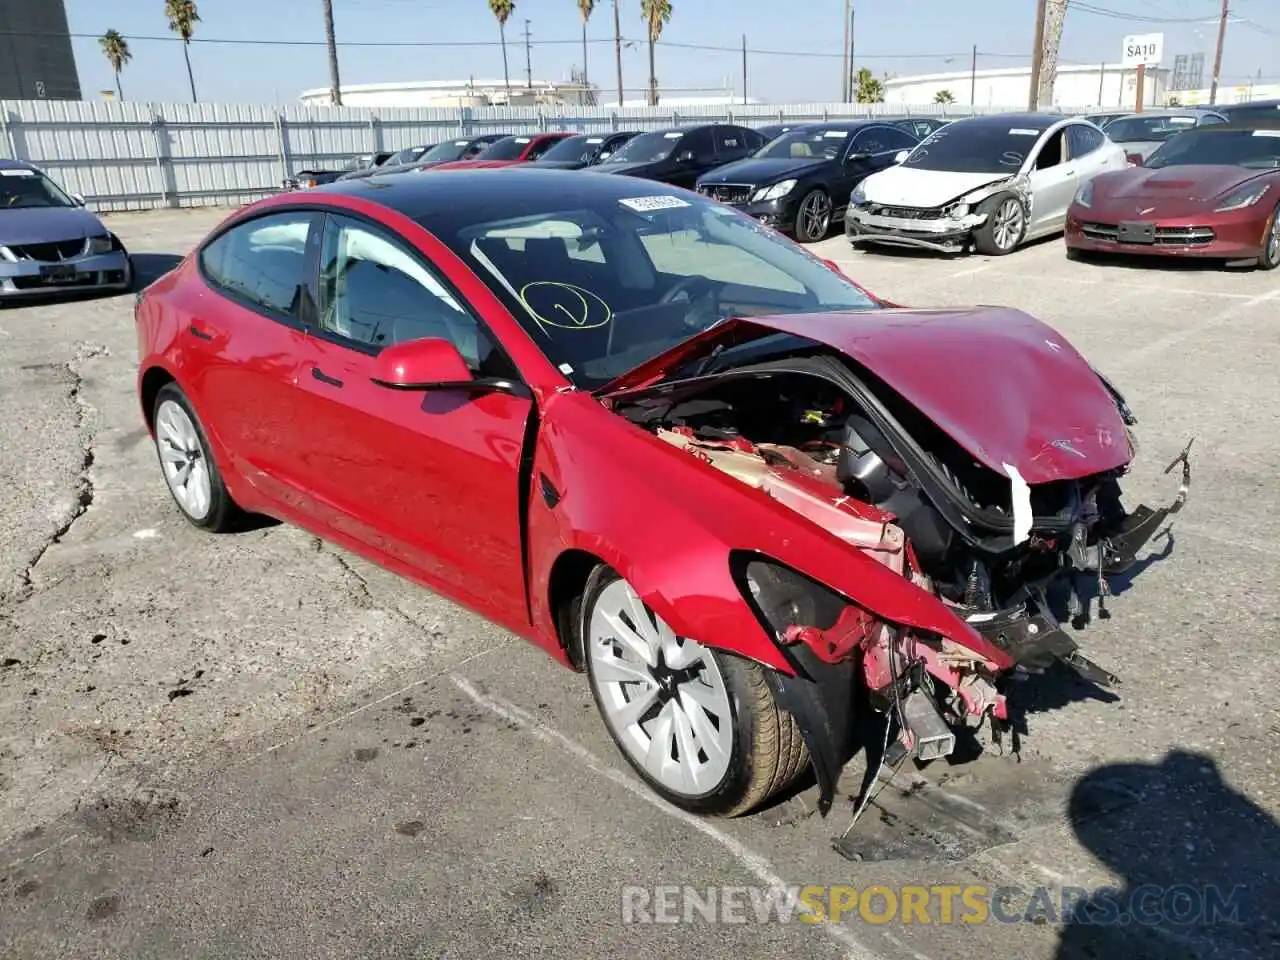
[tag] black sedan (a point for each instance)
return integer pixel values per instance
(800, 183)
(584, 150)
(682, 154)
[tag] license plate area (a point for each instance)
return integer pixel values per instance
(1133, 232)
(58, 273)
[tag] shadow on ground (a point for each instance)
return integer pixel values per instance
(1200, 865)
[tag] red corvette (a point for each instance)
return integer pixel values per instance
(1211, 192)
(508, 152)
(665, 444)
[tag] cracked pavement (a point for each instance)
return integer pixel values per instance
(263, 745)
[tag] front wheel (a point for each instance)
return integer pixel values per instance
(813, 217)
(699, 726)
(1006, 224)
(1270, 257)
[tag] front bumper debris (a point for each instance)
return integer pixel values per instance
(943, 234)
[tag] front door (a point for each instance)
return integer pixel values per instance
(1053, 185)
(427, 478)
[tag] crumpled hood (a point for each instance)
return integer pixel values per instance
(1005, 386)
(1176, 184)
(759, 172)
(48, 225)
(901, 186)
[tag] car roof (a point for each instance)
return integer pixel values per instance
(17, 165)
(494, 194)
(1165, 112)
(840, 124)
(1031, 121)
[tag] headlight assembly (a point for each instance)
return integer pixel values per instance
(1246, 196)
(775, 192)
(785, 598)
(99, 245)
(859, 194)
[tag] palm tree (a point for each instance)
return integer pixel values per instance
(657, 14)
(944, 96)
(183, 18)
(869, 89)
(330, 39)
(503, 9)
(116, 50)
(585, 7)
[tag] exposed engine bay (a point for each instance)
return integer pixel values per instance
(848, 453)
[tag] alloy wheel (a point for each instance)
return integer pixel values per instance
(1273, 239)
(663, 696)
(185, 462)
(1008, 224)
(815, 215)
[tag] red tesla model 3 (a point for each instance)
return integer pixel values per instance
(508, 152)
(667, 445)
(1210, 192)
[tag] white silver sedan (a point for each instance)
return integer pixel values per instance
(987, 183)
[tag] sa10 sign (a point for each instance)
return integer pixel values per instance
(1145, 48)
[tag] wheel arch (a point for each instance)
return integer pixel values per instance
(150, 383)
(571, 572)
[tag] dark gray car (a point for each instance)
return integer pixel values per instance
(49, 243)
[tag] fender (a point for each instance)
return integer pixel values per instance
(668, 524)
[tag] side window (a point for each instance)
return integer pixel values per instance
(1083, 140)
(755, 140)
(1208, 118)
(262, 262)
(538, 149)
(374, 292)
(1051, 153)
(699, 141)
(730, 140)
(895, 139)
(871, 140)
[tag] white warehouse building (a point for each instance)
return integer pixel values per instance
(1103, 85)
(493, 93)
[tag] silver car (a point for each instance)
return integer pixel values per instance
(49, 243)
(987, 183)
(1140, 134)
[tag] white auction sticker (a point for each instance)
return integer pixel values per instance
(1019, 132)
(674, 135)
(1266, 133)
(17, 172)
(650, 204)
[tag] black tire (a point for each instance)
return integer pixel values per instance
(813, 217)
(986, 237)
(1074, 254)
(223, 513)
(1269, 258)
(768, 752)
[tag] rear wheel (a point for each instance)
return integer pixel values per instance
(1270, 258)
(185, 459)
(1006, 224)
(700, 727)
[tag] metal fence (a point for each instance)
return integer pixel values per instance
(141, 156)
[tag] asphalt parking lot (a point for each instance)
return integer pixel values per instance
(257, 745)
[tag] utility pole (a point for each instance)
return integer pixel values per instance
(973, 80)
(852, 68)
(617, 48)
(1217, 56)
(744, 69)
(845, 72)
(528, 58)
(335, 85)
(1037, 56)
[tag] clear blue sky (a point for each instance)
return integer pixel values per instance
(897, 36)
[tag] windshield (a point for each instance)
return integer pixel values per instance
(807, 144)
(648, 147)
(1255, 149)
(1147, 129)
(975, 148)
(27, 188)
(577, 149)
(602, 290)
(450, 150)
(508, 148)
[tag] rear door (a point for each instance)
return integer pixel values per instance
(247, 329)
(427, 479)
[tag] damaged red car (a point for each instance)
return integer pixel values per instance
(669, 446)
(507, 152)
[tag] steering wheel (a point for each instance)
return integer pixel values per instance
(688, 286)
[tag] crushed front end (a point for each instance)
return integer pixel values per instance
(989, 546)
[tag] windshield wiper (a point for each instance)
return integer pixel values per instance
(708, 360)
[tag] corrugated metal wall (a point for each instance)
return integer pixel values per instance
(139, 156)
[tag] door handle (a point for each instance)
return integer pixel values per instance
(323, 377)
(198, 332)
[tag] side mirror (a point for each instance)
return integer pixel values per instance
(835, 267)
(79, 199)
(432, 364)
(901, 155)
(858, 156)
